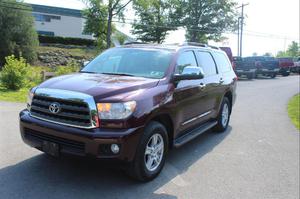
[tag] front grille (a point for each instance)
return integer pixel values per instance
(72, 113)
(65, 144)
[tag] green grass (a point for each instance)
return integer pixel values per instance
(13, 96)
(294, 110)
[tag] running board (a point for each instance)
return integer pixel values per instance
(194, 133)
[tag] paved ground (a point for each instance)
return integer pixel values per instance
(258, 157)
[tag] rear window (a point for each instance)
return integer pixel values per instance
(222, 61)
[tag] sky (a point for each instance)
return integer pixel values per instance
(270, 26)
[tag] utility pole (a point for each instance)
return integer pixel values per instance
(238, 41)
(242, 28)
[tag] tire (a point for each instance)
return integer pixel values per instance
(251, 76)
(273, 75)
(138, 168)
(285, 74)
(222, 124)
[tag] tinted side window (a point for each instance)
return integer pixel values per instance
(207, 63)
(185, 59)
(222, 62)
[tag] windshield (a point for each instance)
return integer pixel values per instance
(151, 63)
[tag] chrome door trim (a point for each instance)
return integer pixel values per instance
(195, 118)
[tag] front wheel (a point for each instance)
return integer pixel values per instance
(285, 74)
(151, 152)
(224, 116)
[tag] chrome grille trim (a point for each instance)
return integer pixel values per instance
(68, 99)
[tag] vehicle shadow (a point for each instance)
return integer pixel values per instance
(260, 77)
(245, 79)
(45, 177)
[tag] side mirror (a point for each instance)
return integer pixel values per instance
(189, 73)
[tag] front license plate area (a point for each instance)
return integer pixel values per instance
(50, 148)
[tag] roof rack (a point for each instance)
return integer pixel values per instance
(199, 44)
(135, 42)
(193, 44)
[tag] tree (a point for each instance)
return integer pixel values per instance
(120, 37)
(97, 9)
(267, 54)
(96, 24)
(205, 19)
(254, 54)
(293, 49)
(17, 33)
(153, 21)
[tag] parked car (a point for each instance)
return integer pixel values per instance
(266, 66)
(296, 67)
(228, 52)
(244, 68)
(285, 64)
(132, 103)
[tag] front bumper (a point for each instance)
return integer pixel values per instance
(245, 72)
(267, 71)
(284, 70)
(81, 142)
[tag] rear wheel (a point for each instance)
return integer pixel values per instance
(285, 74)
(224, 116)
(273, 75)
(151, 152)
(250, 76)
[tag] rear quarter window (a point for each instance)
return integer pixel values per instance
(222, 62)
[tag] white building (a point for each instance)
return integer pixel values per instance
(55, 21)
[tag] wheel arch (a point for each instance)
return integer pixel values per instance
(166, 120)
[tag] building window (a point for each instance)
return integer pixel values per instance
(45, 18)
(47, 33)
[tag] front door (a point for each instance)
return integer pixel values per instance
(190, 95)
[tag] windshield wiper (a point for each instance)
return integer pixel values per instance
(121, 74)
(86, 71)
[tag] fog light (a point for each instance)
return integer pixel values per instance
(115, 148)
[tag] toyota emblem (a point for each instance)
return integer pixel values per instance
(54, 108)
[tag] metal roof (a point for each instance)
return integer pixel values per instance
(56, 10)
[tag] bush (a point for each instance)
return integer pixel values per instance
(66, 40)
(70, 68)
(14, 73)
(34, 75)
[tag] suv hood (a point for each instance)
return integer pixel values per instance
(99, 85)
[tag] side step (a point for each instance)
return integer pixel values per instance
(194, 133)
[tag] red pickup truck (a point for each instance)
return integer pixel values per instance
(285, 64)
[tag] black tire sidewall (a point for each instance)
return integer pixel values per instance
(219, 127)
(141, 170)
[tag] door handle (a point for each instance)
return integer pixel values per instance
(221, 81)
(202, 86)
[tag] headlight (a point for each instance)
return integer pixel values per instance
(115, 111)
(29, 98)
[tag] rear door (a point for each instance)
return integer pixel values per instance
(211, 80)
(226, 75)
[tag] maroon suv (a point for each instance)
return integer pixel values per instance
(132, 103)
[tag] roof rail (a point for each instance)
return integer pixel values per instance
(199, 44)
(134, 42)
(193, 44)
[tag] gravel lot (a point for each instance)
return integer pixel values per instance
(258, 157)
